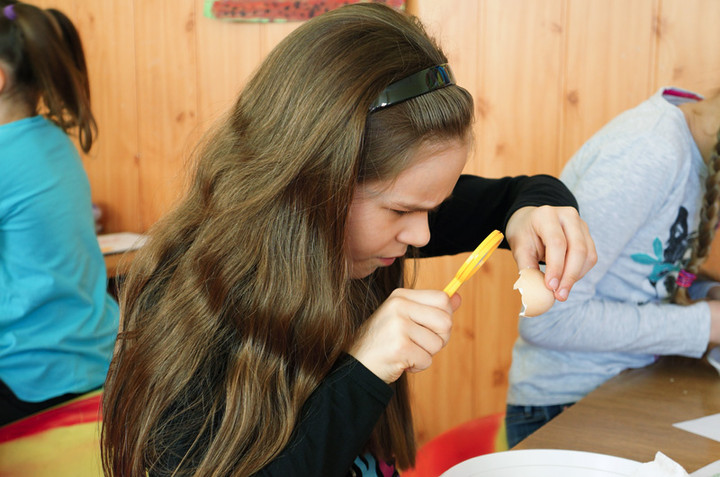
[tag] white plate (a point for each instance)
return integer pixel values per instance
(713, 358)
(543, 463)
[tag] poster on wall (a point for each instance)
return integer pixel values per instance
(279, 11)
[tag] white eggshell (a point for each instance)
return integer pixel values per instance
(535, 296)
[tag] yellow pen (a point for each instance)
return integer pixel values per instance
(474, 261)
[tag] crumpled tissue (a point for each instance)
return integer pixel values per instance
(662, 466)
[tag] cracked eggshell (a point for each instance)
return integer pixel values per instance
(535, 296)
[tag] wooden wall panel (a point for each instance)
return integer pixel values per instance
(112, 165)
(687, 33)
(167, 95)
(518, 91)
(227, 55)
(609, 65)
(455, 29)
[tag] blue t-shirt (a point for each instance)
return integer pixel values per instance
(57, 322)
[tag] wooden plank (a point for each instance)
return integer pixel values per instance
(685, 31)
(456, 30)
(167, 97)
(610, 64)
(519, 87)
(108, 36)
(228, 52)
(65, 6)
(117, 264)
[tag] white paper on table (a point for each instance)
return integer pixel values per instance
(120, 242)
(712, 470)
(708, 426)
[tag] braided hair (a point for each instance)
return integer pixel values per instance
(708, 223)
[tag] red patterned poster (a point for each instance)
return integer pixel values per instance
(278, 11)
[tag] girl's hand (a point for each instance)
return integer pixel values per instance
(405, 332)
(556, 235)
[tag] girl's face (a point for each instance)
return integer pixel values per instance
(388, 216)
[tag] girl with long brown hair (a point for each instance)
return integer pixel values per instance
(266, 330)
(57, 321)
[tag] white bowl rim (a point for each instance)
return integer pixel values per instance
(523, 458)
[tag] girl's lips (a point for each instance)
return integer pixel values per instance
(386, 262)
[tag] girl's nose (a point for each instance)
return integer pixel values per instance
(416, 230)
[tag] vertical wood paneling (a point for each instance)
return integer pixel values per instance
(228, 53)
(609, 66)
(166, 62)
(108, 33)
(519, 89)
(687, 35)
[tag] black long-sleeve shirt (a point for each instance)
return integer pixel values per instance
(339, 416)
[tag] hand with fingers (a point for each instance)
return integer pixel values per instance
(405, 332)
(557, 236)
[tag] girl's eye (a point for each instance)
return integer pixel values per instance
(400, 212)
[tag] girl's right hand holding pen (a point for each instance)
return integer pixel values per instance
(405, 332)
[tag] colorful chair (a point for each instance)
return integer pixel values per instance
(471, 439)
(61, 441)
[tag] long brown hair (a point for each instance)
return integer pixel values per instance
(701, 243)
(241, 301)
(46, 62)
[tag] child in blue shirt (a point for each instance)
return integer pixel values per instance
(57, 322)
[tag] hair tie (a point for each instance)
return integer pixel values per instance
(9, 12)
(685, 279)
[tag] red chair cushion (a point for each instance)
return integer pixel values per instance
(470, 439)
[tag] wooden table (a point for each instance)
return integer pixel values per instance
(118, 263)
(631, 415)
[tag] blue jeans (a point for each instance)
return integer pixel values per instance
(521, 421)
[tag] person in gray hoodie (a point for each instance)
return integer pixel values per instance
(647, 184)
